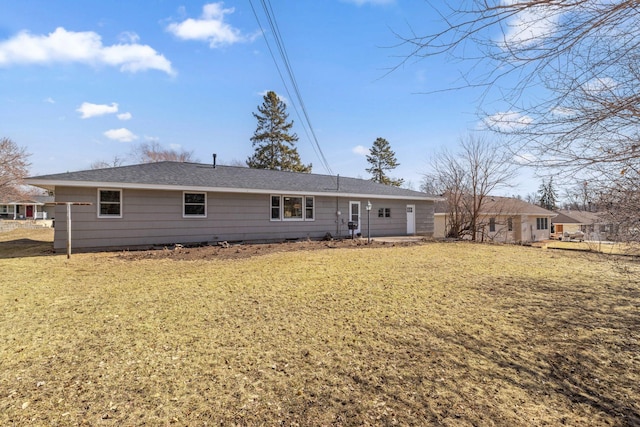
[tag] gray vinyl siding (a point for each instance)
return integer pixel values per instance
(154, 217)
(425, 225)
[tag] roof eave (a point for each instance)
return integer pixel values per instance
(51, 184)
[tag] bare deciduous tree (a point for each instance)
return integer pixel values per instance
(151, 152)
(565, 75)
(14, 167)
(467, 177)
(581, 197)
(115, 162)
(583, 55)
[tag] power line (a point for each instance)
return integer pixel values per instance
(306, 121)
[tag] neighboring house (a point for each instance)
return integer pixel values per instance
(503, 219)
(34, 207)
(592, 224)
(171, 202)
(563, 223)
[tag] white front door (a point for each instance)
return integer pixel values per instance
(354, 215)
(411, 219)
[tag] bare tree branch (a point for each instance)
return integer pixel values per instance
(14, 167)
(153, 152)
(466, 178)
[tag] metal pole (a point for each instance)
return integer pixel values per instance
(68, 230)
(368, 226)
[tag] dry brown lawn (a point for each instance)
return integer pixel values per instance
(451, 334)
(608, 248)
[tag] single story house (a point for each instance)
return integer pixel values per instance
(502, 219)
(563, 223)
(175, 202)
(32, 207)
(592, 224)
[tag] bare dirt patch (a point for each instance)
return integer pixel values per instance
(248, 250)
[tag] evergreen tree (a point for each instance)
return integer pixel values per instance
(382, 159)
(274, 145)
(548, 196)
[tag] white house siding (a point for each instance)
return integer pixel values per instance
(154, 217)
(526, 225)
(439, 225)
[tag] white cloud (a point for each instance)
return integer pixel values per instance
(210, 27)
(128, 37)
(122, 135)
(175, 146)
(88, 109)
(124, 116)
(49, 100)
(525, 158)
(507, 121)
(600, 84)
(530, 26)
(62, 46)
(563, 111)
(360, 150)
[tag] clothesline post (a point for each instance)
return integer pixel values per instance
(69, 204)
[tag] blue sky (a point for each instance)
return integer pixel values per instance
(86, 81)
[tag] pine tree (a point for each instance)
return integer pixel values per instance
(274, 145)
(548, 196)
(382, 159)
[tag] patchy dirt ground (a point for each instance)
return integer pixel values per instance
(242, 250)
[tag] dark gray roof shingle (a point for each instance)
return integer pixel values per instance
(192, 175)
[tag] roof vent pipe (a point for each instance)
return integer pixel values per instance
(214, 160)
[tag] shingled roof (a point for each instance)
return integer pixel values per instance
(582, 217)
(564, 219)
(495, 205)
(205, 177)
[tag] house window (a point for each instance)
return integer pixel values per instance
(309, 208)
(109, 203)
(275, 208)
(509, 224)
(292, 208)
(195, 204)
(542, 223)
(384, 213)
(492, 225)
(4, 209)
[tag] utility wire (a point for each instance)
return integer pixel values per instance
(306, 121)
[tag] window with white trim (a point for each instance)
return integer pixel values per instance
(109, 203)
(275, 208)
(542, 223)
(492, 225)
(384, 213)
(309, 206)
(292, 208)
(194, 205)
